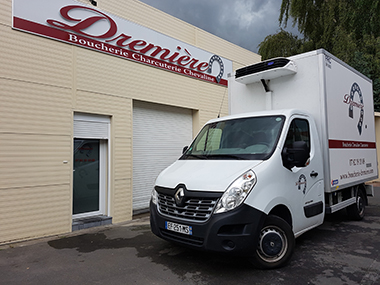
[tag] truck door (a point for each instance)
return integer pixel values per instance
(306, 181)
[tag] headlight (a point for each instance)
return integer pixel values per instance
(154, 197)
(236, 192)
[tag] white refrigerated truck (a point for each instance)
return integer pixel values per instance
(299, 143)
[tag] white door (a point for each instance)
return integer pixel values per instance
(306, 182)
(159, 134)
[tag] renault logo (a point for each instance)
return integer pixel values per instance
(179, 197)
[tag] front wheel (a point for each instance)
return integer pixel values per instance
(276, 244)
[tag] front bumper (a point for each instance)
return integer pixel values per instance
(233, 232)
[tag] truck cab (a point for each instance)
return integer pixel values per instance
(230, 182)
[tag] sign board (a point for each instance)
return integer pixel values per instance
(75, 23)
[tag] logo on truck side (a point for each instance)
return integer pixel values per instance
(301, 183)
(349, 99)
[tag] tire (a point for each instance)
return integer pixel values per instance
(276, 244)
(357, 211)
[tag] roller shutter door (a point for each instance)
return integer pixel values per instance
(159, 134)
(88, 126)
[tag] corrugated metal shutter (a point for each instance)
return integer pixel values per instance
(91, 126)
(159, 135)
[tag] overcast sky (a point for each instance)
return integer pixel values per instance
(242, 22)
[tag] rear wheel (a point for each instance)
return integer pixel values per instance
(356, 211)
(276, 244)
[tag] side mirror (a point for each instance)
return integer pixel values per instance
(297, 155)
(185, 148)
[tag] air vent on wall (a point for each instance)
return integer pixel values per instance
(266, 70)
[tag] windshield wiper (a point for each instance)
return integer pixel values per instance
(199, 156)
(231, 156)
(216, 156)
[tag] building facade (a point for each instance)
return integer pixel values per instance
(95, 102)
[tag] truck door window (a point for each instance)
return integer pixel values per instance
(296, 151)
(298, 131)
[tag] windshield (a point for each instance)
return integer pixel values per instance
(251, 138)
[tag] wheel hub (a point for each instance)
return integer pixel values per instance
(272, 243)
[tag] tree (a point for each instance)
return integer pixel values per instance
(280, 44)
(349, 29)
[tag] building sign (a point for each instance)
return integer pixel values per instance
(75, 23)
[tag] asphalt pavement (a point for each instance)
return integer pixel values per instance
(340, 251)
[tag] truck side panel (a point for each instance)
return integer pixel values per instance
(350, 125)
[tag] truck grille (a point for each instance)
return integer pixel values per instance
(195, 209)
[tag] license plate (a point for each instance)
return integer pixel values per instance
(183, 229)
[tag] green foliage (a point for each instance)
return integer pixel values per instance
(349, 29)
(280, 44)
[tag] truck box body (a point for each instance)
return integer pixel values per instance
(341, 102)
(299, 143)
